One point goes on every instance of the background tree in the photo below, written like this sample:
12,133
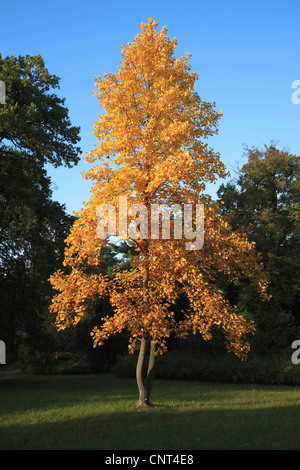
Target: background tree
151,149
265,197
34,130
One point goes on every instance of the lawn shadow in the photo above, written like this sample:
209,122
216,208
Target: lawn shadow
99,413
162,429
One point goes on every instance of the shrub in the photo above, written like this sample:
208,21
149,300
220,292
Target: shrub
71,363
183,365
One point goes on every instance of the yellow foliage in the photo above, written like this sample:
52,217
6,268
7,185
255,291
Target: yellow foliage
151,148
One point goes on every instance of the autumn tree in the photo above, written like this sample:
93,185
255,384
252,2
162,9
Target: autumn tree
151,152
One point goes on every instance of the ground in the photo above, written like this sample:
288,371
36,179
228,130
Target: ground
98,412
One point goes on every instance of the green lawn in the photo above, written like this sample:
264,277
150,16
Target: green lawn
98,412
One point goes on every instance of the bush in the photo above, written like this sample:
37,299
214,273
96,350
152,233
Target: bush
70,363
183,365
59,363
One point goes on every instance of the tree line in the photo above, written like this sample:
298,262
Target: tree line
151,148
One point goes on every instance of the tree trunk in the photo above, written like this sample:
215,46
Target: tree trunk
145,385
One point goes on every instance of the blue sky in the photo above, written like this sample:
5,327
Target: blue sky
247,54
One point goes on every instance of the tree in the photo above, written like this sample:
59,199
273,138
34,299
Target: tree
34,120
265,197
151,150
34,130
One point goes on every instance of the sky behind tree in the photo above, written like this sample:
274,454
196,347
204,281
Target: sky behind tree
246,54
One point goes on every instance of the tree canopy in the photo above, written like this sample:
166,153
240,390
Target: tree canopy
35,129
265,198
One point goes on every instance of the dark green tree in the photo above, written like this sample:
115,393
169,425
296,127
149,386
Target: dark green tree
34,119
265,197
35,129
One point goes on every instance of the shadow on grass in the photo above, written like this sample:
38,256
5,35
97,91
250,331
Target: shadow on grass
98,412
243,429
38,392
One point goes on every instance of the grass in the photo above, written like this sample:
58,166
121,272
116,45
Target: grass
98,412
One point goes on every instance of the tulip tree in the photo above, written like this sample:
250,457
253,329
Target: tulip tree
151,150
